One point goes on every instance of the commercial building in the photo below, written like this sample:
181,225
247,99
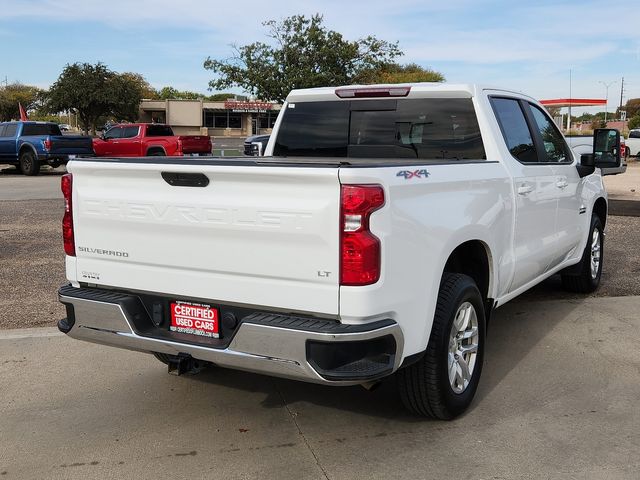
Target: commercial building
230,118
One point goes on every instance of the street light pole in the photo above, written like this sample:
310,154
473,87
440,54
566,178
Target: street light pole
606,106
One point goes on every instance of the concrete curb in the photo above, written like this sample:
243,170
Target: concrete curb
627,208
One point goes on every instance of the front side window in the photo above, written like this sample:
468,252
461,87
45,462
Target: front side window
515,129
429,129
114,132
554,145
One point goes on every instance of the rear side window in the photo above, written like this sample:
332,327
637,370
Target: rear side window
159,131
514,129
554,145
10,130
2,130
40,129
130,132
429,129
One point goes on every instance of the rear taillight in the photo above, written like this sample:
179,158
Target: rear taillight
359,248
67,220
47,144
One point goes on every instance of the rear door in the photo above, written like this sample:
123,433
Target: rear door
570,217
129,145
255,235
536,193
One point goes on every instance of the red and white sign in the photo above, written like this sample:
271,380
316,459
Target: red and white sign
194,318
237,106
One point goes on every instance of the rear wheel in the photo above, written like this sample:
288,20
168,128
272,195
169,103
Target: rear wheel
591,262
443,382
29,164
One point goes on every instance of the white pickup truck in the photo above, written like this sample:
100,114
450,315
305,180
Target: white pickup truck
381,229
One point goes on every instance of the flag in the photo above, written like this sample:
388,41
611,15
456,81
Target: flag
23,113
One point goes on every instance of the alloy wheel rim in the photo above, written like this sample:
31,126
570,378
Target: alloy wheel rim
463,347
595,253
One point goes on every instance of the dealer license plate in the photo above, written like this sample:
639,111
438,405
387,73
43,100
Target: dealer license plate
195,318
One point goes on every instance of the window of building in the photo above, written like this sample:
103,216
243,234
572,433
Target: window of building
267,119
515,129
224,119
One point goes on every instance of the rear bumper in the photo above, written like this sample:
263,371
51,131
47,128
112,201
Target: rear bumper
308,349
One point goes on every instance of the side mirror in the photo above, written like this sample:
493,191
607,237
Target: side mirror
606,148
587,165
102,137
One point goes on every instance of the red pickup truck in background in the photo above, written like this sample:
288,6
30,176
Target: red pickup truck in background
149,139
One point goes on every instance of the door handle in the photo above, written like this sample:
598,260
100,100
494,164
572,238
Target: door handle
561,184
525,189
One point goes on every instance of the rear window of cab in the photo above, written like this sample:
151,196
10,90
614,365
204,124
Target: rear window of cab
429,129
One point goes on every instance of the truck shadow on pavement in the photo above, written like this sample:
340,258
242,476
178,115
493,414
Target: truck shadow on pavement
514,331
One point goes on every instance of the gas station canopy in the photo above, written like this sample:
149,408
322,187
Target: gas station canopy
573,102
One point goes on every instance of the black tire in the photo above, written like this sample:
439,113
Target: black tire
424,386
29,164
587,280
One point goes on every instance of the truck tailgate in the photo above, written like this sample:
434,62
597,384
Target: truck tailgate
195,144
69,145
255,235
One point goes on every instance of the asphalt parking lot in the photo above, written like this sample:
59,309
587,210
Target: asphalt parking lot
558,398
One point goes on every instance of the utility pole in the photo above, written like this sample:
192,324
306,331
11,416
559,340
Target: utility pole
621,92
606,105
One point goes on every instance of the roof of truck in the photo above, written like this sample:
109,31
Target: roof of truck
427,89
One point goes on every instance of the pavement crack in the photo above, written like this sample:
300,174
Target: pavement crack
293,416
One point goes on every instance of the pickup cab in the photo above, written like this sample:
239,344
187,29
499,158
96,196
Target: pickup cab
149,139
28,145
375,237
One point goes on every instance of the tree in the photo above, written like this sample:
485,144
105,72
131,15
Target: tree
28,96
396,73
94,91
634,122
632,107
302,54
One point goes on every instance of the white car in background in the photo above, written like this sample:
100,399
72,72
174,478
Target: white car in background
633,142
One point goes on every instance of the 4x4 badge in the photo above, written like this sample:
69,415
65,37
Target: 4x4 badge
407,174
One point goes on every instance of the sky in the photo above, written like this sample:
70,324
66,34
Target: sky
530,46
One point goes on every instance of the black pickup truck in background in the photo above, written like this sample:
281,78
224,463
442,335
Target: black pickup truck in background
28,145
255,145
